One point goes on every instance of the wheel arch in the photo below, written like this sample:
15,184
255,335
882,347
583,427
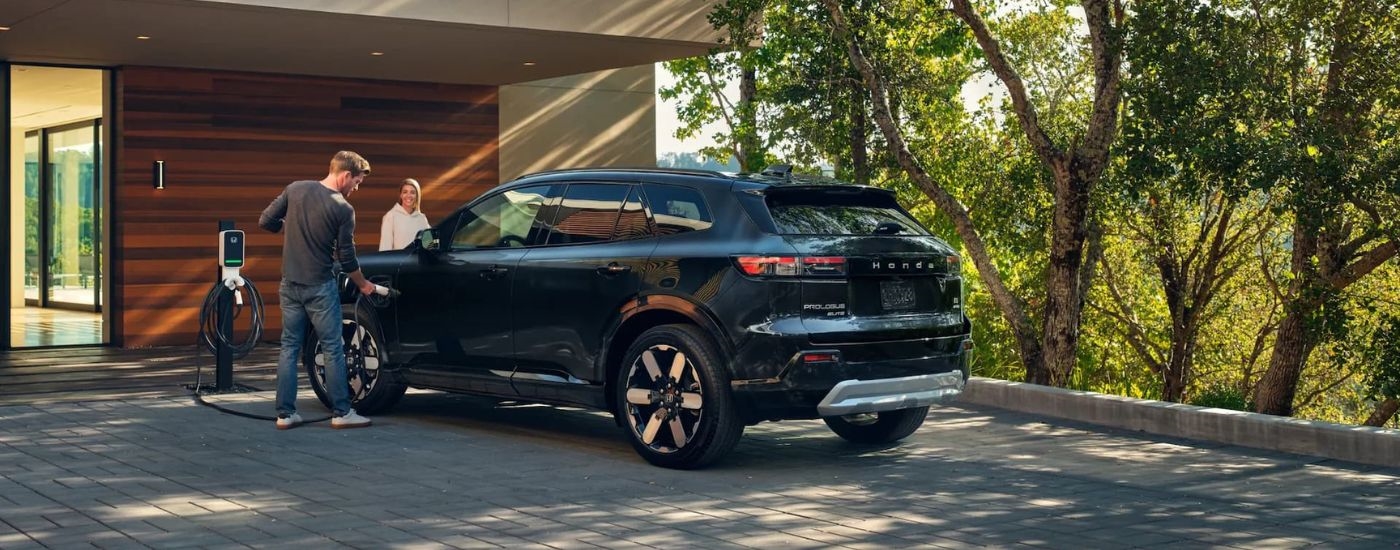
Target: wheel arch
647,312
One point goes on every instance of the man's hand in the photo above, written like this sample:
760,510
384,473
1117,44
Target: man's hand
358,277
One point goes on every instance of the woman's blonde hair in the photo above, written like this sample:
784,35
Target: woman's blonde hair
417,202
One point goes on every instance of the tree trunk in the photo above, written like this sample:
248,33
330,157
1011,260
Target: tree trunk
749,155
1279,385
1064,304
1385,410
860,161
1178,369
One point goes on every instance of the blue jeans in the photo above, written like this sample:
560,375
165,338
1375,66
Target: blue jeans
320,305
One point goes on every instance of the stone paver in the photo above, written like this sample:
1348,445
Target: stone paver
454,471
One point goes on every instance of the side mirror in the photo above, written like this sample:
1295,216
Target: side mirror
427,240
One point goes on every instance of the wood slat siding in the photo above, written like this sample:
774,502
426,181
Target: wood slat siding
232,141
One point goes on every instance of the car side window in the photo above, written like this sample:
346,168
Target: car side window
588,213
677,209
508,219
633,222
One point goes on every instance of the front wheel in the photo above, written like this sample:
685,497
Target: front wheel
877,428
372,390
673,392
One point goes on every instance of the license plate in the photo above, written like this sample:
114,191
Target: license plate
896,295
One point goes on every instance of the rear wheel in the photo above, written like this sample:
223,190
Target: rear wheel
372,390
877,428
673,394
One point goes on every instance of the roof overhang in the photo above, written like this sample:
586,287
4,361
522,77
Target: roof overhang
490,42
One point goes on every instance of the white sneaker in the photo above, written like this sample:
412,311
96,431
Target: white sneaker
288,422
349,420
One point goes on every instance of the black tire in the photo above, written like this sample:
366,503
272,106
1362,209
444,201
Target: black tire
877,428
675,376
373,389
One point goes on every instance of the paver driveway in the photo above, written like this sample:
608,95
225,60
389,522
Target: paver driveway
456,471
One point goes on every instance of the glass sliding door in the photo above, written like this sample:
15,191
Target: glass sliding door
57,184
72,212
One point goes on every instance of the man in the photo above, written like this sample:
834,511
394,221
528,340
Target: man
319,221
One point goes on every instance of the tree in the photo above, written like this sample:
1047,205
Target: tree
1298,99
1075,169
701,83
700,80
1196,247
799,102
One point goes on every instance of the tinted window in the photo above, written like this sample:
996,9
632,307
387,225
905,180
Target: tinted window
840,214
677,209
633,223
588,213
508,219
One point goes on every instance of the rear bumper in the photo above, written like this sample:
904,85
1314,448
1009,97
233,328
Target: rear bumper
866,396
867,377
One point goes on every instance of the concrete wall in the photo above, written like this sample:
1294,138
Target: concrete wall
1363,444
607,118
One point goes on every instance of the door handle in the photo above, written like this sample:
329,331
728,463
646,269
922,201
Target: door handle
493,272
613,268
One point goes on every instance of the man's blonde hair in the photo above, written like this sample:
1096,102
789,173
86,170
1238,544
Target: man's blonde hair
349,161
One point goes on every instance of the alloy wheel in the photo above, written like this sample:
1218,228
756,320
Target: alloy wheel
361,360
665,400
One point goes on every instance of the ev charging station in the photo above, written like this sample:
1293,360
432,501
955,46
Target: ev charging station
224,303
230,267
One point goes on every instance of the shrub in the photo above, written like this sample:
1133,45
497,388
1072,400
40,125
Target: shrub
1221,397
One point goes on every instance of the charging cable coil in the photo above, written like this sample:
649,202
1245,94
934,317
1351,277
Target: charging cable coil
209,316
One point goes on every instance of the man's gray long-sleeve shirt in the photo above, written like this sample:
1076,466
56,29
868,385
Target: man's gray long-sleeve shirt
319,221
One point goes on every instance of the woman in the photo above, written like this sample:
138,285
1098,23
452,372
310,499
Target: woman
403,222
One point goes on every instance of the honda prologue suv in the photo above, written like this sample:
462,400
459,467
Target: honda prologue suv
689,304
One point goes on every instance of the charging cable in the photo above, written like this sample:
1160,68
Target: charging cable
209,315
208,331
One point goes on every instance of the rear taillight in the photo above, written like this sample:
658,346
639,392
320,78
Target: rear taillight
791,266
758,266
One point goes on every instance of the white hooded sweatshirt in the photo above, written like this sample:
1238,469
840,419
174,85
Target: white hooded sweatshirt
400,227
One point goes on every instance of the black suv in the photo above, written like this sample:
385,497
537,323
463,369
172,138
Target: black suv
689,304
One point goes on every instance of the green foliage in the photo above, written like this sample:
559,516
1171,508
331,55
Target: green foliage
1361,363
1223,99
1383,381
1297,100
1221,397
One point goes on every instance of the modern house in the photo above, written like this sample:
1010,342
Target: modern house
136,125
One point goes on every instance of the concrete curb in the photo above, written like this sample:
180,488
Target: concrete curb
1362,444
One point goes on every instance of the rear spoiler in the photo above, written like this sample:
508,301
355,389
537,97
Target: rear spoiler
817,194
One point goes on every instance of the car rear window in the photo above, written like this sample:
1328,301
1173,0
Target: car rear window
840,213
677,209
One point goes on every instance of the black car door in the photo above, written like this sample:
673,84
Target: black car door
454,315
570,291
